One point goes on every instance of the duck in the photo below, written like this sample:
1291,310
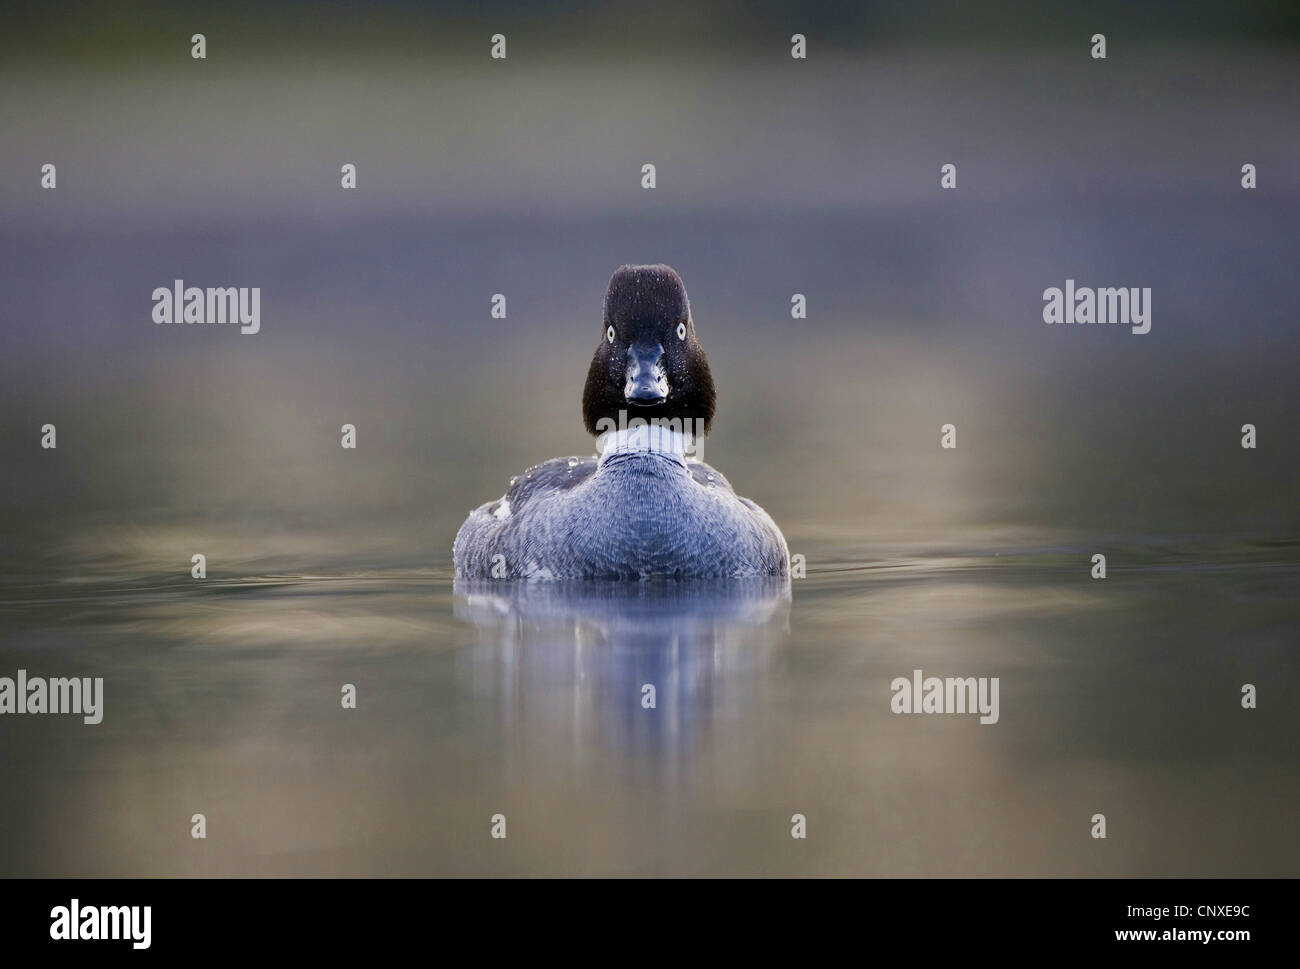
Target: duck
645,506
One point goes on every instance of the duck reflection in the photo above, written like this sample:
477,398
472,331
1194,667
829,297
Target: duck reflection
627,667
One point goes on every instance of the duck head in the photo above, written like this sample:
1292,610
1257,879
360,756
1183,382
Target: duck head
649,363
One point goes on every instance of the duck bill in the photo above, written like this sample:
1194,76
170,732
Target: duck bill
647,384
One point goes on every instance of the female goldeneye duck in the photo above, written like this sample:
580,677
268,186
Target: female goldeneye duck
644,507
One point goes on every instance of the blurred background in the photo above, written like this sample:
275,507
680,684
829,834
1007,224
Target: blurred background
775,176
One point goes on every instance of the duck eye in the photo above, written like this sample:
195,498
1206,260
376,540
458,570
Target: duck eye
609,334
681,331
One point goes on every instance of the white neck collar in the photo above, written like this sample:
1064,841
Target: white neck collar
647,438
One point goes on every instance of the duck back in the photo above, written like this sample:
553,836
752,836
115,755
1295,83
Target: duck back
629,515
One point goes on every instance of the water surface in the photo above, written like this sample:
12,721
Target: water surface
525,700
328,566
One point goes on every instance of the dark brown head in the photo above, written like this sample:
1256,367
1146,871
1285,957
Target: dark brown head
649,364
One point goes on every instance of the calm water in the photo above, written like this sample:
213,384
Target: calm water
328,567
1117,697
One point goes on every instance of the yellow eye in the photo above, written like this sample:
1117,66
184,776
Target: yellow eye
609,334
681,331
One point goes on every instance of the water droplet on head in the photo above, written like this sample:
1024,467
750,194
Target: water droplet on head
573,462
